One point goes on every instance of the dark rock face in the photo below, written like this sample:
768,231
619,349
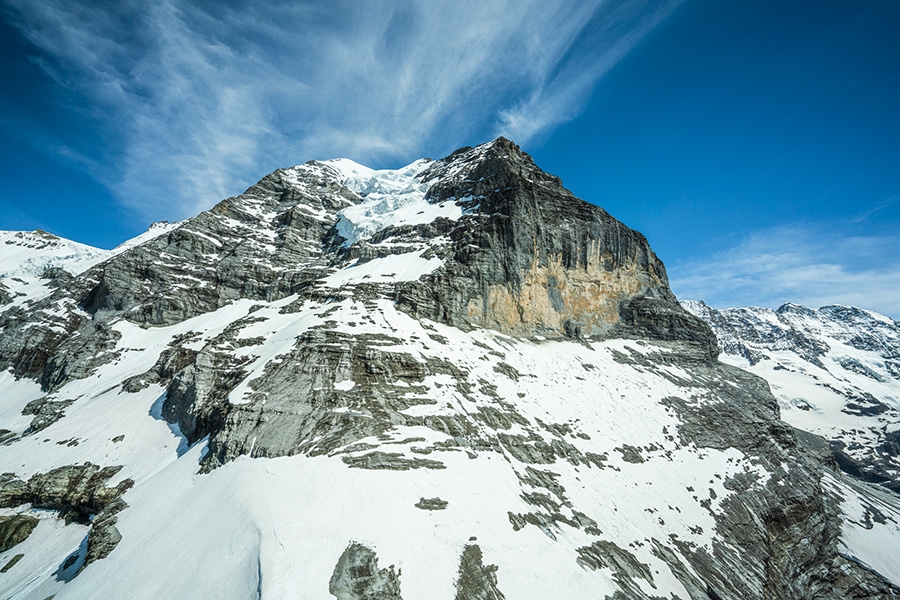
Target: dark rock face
27,349
649,318
477,581
104,536
79,493
78,356
606,555
245,247
357,577
300,391
15,530
532,259
45,411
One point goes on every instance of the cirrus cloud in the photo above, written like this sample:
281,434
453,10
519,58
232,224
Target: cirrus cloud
809,264
196,100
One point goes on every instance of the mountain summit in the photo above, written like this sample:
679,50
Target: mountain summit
450,380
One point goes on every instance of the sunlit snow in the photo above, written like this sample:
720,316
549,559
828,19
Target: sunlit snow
391,198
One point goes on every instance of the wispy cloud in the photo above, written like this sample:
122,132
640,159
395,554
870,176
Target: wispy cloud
813,265
559,93
198,99
879,207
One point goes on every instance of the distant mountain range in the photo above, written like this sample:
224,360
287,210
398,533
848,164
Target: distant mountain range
835,372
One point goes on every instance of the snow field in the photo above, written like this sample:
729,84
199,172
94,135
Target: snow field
391,198
279,525
871,526
809,401
408,266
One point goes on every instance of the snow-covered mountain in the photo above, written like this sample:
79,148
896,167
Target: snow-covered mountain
26,256
30,261
451,380
835,372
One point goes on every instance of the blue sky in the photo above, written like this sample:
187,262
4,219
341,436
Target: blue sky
756,144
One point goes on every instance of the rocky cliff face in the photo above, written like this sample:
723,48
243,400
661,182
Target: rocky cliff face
517,253
529,258
452,380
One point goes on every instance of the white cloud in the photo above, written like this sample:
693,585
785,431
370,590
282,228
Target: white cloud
813,265
560,97
200,99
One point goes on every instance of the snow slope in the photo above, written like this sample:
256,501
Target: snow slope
390,198
26,255
30,253
835,372
279,525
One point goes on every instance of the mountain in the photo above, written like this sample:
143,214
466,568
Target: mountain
835,372
31,261
28,255
451,380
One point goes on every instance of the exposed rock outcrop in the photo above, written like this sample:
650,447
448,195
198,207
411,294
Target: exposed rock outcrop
477,581
15,530
532,259
78,493
357,577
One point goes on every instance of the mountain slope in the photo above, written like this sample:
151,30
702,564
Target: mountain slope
452,380
31,260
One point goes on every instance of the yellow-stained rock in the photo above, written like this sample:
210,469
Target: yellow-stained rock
556,299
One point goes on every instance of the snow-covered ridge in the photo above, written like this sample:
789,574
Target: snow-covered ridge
30,253
154,231
393,197
835,372
26,255
811,334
